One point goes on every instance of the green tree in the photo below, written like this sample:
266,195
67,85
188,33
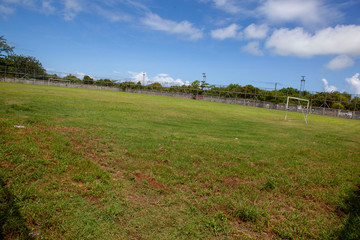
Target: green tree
156,85
291,91
125,85
195,84
51,76
26,65
105,82
88,80
72,79
203,85
5,48
337,105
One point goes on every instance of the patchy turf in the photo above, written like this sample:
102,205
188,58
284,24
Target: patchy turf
111,165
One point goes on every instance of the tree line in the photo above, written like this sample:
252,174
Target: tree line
13,65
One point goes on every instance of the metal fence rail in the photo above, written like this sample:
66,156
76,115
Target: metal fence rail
276,102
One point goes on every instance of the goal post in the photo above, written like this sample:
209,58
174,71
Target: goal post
299,99
58,81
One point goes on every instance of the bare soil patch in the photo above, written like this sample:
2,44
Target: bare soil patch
233,181
151,180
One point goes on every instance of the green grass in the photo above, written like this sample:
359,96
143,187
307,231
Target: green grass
112,165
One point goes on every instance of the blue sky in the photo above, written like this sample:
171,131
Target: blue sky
232,41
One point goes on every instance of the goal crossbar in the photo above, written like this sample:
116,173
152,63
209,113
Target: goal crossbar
299,99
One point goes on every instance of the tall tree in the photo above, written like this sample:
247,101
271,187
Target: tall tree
25,64
5,48
195,84
72,78
88,80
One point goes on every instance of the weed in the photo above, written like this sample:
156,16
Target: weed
247,213
269,185
217,223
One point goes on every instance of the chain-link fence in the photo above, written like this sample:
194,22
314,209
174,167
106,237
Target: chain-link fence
333,104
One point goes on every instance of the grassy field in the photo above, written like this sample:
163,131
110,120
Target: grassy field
111,165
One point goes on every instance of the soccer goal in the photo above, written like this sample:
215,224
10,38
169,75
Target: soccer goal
299,106
58,81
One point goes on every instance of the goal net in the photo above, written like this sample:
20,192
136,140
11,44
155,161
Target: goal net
58,81
299,106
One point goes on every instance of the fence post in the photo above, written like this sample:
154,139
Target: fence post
255,98
245,95
324,103
354,114
339,110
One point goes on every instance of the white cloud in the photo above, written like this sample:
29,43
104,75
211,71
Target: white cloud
111,15
164,79
184,28
227,6
227,32
307,12
12,1
72,8
42,6
22,2
354,83
342,39
340,62
326,86
139,77
256,31
6,10
80,75
253,48
47,8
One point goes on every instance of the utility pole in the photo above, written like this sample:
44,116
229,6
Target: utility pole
204,77
302,86
144,75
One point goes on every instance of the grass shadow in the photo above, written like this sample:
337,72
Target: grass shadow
12,225
351,229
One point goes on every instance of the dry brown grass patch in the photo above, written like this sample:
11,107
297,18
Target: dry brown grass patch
233,181
151,180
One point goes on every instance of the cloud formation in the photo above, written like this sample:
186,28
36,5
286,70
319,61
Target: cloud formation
80,75
6,10
307,12
342,39
253,48
111,15
354,83
226,32
72,8
340,62
326,86
227,6
254,31
183,28
164,79
69,9
47,7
